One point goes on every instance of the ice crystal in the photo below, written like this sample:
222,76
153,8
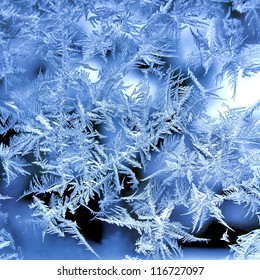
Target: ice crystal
148,155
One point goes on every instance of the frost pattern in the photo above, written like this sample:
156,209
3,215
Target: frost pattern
141,155
248,246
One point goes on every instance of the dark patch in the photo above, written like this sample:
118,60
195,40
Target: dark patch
108,54
5,138
126,182
39,70
214,233
89,227
142,65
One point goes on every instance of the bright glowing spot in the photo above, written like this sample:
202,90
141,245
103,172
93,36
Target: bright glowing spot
92,71
131,80
135,81
247,94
